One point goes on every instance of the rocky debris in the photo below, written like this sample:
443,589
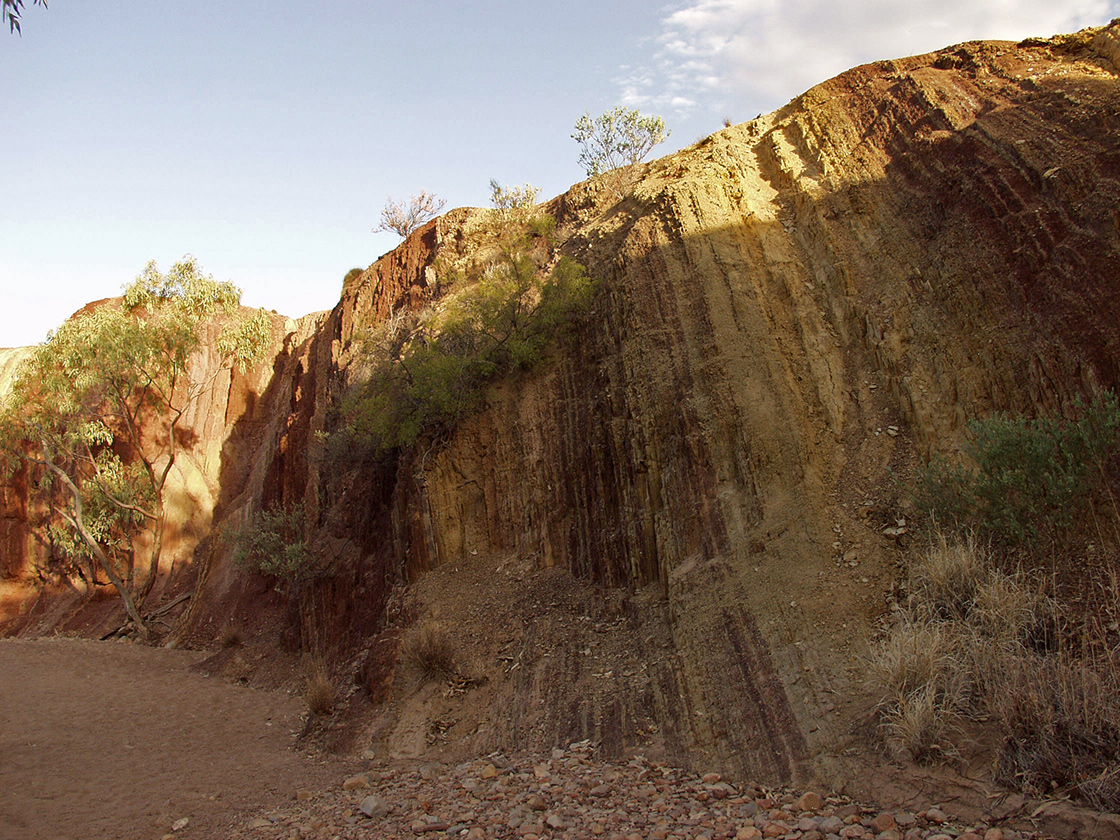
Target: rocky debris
374,807
569,794
357,782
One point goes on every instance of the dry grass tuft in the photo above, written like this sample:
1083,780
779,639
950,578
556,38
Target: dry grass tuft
921,724
922,665
319,691
429,649
944,584
230,636
1011,610
1060,717
975,641
917,656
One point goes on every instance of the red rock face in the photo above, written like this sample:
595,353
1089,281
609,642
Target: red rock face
792,312
14,532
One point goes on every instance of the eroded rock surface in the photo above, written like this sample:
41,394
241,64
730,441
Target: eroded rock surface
793,311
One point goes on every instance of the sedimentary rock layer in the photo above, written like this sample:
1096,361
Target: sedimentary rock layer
793,311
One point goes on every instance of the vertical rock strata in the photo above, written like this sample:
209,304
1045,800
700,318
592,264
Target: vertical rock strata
793,311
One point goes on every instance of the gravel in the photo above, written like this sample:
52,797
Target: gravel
569,794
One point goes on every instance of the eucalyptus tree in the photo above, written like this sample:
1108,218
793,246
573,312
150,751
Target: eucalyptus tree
12,9
96,416
616,138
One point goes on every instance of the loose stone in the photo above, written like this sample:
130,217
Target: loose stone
358,782
374,807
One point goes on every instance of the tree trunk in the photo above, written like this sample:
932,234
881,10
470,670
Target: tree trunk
153,562
77,521
158,484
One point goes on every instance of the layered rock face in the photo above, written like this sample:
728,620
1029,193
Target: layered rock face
670,537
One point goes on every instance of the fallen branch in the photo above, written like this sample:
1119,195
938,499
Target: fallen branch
170,605
154,614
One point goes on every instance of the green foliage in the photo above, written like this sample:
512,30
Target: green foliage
1022,477
513,198
943,494
11,11
516,223
502,321
619,137
94,412
542,226
273,543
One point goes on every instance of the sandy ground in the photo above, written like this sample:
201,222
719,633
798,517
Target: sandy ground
113,740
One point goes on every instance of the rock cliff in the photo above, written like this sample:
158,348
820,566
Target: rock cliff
670,538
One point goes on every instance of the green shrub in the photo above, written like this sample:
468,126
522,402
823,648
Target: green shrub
542,226
272,542
1021,478
352,275
513,199
515,220
615,138
503,320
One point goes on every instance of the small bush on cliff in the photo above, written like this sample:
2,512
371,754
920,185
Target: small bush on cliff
615,138
513,204
423,379
1021,479
95,416
502,323
272,542
402,218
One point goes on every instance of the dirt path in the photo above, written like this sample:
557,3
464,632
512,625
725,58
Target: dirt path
111,740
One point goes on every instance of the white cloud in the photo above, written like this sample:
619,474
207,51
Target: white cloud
758,54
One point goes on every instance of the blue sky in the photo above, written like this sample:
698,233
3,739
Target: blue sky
264,138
